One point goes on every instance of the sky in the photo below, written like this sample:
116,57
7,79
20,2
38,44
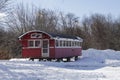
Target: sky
80,8
2,15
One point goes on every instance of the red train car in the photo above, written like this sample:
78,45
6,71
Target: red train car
41,45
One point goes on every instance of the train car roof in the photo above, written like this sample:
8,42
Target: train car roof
63,36
54,35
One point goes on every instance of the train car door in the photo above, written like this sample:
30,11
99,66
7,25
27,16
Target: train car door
45,48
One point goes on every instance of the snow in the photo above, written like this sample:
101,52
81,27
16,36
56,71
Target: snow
94,65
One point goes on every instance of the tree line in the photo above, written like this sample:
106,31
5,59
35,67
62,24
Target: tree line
97,30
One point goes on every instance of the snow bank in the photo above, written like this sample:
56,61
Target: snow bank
101,54
107,56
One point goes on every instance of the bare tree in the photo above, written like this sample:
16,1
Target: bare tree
87,36
3,49
21,19
3,9
98,30
3,5
68,23
46,21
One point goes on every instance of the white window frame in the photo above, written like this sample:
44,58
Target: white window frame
32,35
72,42
36,34
34,44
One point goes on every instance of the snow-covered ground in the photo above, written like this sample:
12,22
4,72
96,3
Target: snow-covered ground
94,65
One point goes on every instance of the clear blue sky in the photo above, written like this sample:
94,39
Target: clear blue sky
79,7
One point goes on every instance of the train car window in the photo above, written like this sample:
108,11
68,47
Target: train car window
33,35
37,43
39,35
57,43
78,44
64,43
36,35
60,43
34,43
75,44
69,42
30,43
72,43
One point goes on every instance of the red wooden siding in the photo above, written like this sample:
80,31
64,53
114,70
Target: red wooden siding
31,53
52,48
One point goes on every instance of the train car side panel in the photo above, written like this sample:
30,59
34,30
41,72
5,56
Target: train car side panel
52,48
31,53
67,52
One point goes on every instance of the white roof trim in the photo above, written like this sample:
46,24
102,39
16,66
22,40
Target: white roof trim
80,39
34,31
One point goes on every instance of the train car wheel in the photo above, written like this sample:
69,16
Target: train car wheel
49,59
68,59
76,58
40,59
32,59
58,60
